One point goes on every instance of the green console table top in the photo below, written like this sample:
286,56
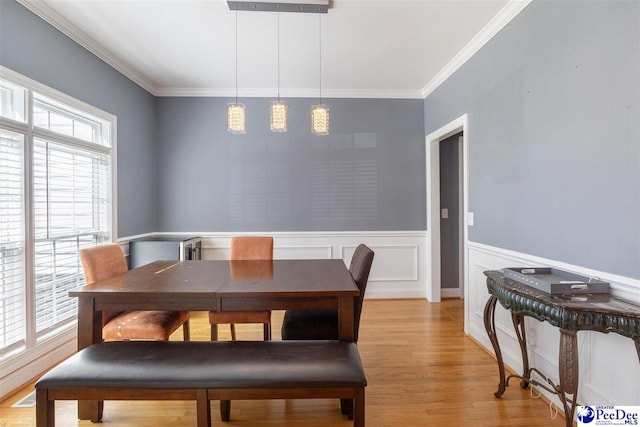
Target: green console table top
578,312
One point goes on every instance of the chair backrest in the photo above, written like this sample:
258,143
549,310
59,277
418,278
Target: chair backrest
251,248
359,268
101,263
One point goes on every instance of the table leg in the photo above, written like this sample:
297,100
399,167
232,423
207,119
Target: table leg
490,326
89,332
518,324
568,367
345,319
638,348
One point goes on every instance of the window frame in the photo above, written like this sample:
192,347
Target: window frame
42,351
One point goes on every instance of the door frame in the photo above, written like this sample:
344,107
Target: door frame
461,124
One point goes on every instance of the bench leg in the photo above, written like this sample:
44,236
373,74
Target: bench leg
346,407
358,409
203,409
225,410
45,409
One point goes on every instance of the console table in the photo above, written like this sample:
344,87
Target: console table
571,313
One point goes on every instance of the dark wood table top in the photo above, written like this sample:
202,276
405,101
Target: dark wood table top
226,279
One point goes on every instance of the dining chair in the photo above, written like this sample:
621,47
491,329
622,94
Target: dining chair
106,261
254,248
323,324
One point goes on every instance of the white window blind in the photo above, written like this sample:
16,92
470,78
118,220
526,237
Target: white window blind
71,196
12,245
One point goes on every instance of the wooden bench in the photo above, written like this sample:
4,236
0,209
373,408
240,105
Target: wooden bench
204,371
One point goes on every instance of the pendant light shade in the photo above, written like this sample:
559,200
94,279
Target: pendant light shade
320,119
278,116
236,118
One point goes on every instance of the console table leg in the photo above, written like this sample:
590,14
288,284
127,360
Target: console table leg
490,326
638,349
568,366
518,324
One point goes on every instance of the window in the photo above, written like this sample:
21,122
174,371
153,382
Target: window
56,172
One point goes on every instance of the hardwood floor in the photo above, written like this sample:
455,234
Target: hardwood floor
422,370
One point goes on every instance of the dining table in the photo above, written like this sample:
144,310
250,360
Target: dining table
216,285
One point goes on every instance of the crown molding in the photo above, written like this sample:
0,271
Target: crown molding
497,23
45,12
287,93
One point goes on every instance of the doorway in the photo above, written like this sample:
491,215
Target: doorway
434,212
451,243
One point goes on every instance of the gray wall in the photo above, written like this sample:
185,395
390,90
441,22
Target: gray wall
554,134
30,46
367,175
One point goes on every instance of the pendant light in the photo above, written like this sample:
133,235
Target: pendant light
320,112
278,109
236,117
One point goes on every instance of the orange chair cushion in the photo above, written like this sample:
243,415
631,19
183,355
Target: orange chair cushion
144,325
251,248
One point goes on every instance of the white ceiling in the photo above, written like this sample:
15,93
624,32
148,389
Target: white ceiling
370,48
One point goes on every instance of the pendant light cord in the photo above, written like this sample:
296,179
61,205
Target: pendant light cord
320,43
278,57
236,56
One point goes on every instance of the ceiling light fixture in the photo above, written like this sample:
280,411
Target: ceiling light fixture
236,113
278,109
302,6
320,112
278,117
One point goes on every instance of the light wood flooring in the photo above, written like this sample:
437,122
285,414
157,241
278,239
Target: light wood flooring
421,368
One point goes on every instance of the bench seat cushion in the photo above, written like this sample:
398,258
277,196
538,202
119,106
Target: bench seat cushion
205,364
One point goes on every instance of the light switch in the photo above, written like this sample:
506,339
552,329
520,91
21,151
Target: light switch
444,213
470,218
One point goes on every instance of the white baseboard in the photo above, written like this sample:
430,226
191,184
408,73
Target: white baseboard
608,363
450,293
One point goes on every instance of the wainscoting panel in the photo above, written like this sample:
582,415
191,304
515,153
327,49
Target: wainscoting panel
609,365
398,263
